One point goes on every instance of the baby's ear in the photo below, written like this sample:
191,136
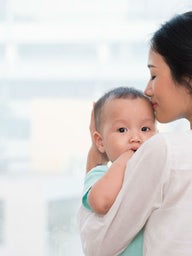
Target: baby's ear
98,141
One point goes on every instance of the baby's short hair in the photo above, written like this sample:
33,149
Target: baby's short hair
116,93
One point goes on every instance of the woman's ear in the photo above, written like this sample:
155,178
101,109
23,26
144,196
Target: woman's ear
98,141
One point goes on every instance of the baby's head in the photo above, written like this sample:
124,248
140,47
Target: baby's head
116,93
124,119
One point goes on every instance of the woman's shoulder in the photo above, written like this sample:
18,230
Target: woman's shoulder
158,140
169,144
176,137
171,137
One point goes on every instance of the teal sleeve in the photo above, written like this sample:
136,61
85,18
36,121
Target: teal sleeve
135,248
90,179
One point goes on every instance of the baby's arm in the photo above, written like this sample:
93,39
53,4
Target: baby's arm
104,192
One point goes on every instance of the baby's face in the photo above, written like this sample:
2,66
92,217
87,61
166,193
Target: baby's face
127,123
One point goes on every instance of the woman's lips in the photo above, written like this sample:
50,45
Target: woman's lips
154,105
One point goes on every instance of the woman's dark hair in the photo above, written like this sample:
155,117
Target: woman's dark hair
116,93
173,41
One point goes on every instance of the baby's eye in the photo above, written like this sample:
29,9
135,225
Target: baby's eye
145,129
153,77
122,129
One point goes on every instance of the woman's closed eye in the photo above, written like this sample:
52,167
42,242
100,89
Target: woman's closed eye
122,129
153,77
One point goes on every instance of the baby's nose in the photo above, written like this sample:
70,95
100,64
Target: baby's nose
135,137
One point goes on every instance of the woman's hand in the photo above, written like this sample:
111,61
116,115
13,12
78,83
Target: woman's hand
95,157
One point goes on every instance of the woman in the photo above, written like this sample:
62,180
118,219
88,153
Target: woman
157,188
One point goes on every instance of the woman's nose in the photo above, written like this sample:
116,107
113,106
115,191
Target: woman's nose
148,90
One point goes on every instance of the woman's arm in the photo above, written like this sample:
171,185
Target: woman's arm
104,192
141,193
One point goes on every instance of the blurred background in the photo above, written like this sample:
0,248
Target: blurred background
56,58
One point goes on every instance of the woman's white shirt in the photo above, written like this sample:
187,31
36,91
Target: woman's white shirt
157,193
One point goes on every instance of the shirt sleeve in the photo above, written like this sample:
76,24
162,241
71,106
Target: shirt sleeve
90,179
141,193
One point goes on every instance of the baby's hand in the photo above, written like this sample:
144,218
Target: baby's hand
121,161
127,155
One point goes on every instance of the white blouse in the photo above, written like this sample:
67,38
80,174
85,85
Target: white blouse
157,193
